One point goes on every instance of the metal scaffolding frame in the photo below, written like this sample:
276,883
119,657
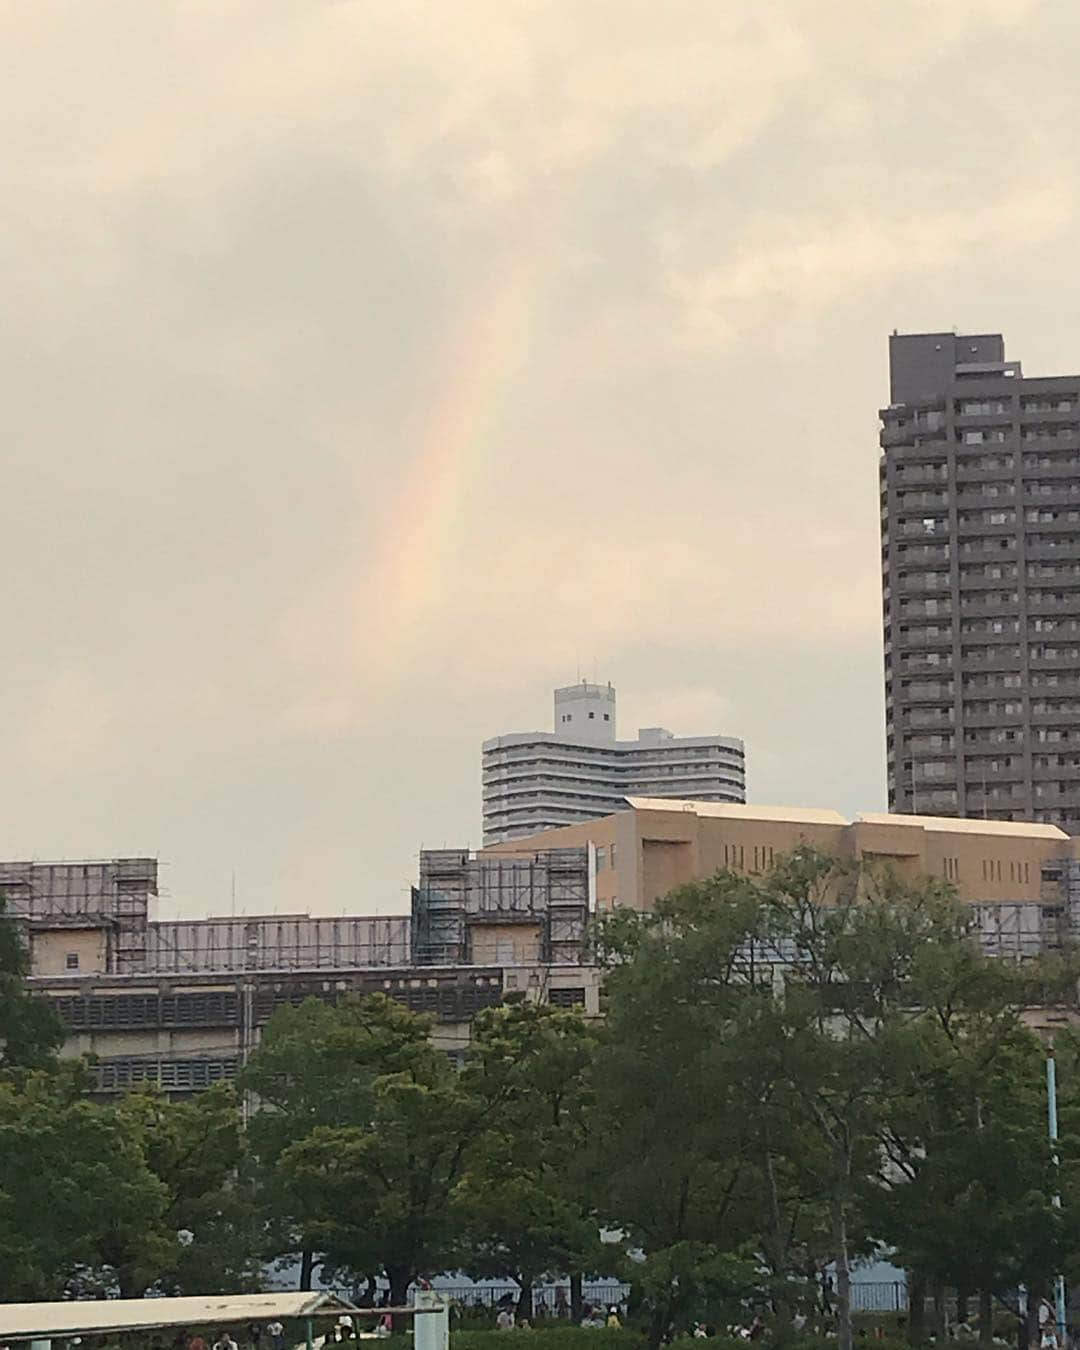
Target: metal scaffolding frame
460,890
277,942
115,895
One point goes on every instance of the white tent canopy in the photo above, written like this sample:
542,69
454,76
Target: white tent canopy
42,1321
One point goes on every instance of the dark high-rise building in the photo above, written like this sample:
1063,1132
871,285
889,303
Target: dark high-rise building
980,552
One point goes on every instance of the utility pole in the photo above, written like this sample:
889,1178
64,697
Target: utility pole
1052,1121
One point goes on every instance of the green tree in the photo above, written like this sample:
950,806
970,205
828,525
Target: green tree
206,1241
760,1036
525,1199
842,1024
316,1067
72,1173
966,1193
674,1141
31,1031
363,1137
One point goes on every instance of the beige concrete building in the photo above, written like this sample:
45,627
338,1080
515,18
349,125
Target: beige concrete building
181,1004
1023,878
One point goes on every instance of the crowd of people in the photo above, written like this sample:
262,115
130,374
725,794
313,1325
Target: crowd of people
507,1319
255,1337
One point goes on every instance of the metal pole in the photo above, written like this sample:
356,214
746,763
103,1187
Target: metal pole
1052,1120
309,1338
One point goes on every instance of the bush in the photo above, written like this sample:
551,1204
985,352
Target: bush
556,1337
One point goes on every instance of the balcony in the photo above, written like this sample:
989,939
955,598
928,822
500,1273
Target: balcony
1060,465
971,499
990,529
909,500
975,605
920,555
1003,660
915,665
896,434
1068,688
1051,494
971,581
1065,548
930,718
1067,603
931,691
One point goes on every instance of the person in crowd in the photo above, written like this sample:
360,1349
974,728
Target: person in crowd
225,1342
505,1320
562,1304
612,1320
276,1332
197,1342
254,1334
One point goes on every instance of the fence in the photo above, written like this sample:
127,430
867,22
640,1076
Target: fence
879,1296
551,1300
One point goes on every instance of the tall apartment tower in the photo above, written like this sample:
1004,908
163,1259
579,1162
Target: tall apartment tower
980,551
538,780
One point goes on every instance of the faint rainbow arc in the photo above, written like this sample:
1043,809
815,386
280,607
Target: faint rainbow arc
429,515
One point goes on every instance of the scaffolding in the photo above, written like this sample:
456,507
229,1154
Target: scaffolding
460,892
1022,929
277,942
114,895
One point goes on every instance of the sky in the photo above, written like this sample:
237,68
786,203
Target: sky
370,367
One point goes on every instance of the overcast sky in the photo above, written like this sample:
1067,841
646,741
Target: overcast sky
370,368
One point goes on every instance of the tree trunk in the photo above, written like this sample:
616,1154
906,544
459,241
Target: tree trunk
307,1266
525,1299
986,1316
577,1297
659,1321
941,1318
400,1278
1031,1321
843,1274
127,1284
963,1298
916,1320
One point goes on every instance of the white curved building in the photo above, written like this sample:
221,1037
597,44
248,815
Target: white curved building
539,780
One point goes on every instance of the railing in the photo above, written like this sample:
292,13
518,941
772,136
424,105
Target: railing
551,1299
879,1296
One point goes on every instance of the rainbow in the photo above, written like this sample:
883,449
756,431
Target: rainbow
424,528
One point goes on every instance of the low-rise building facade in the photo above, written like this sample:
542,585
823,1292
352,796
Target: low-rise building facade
181,1004
1023,878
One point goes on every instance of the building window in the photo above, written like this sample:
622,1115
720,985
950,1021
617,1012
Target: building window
591,716
71,961
612,851
601,859
607,717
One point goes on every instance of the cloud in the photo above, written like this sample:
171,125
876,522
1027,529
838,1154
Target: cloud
247,243
789,264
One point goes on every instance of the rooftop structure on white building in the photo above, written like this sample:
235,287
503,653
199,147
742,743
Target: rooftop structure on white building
541,780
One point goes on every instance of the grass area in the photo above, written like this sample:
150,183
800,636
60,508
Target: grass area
559,1336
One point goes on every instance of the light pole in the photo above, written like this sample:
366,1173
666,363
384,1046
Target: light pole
1052,1121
